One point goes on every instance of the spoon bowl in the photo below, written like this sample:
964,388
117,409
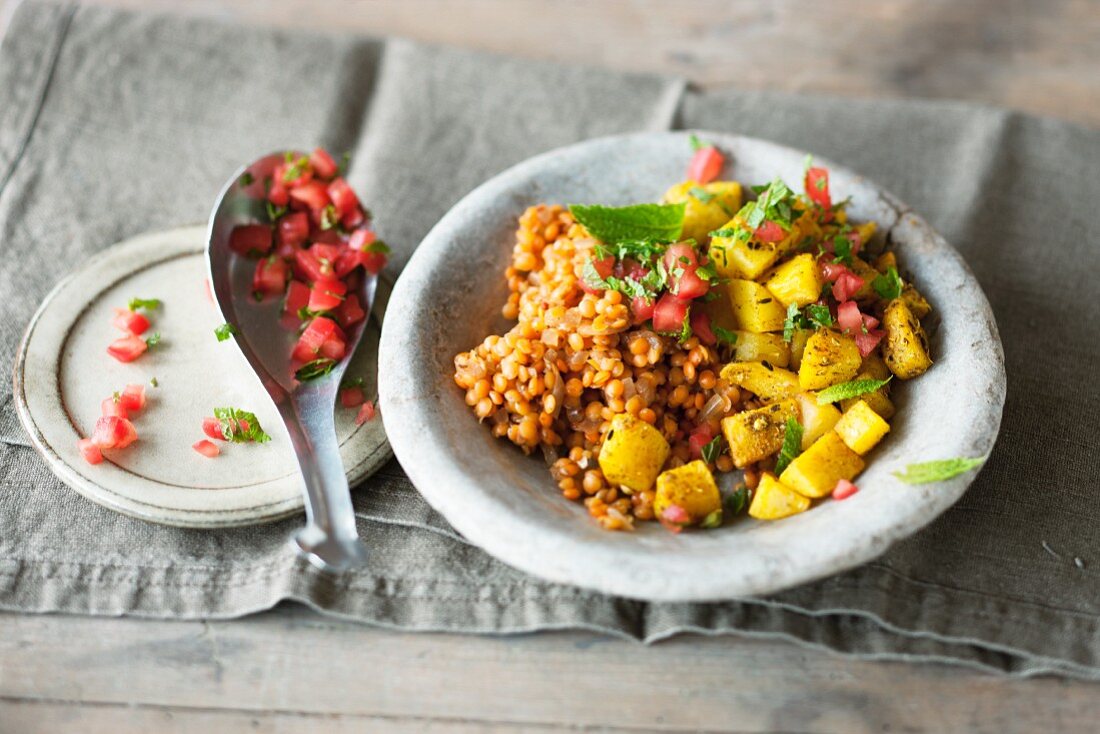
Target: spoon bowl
329,540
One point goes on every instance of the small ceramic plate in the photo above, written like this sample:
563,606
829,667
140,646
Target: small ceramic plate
449,297
62,372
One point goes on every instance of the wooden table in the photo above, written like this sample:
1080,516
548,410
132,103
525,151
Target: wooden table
292,670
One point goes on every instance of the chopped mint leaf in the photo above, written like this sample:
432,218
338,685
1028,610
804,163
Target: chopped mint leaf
737,501
149,304
328,217
246,179
712,450
240,426
316,368
888,285
819,316
724,336
345,162
842,248
225,331
792,445
851,389
274,212
701,194
378,246
644,222
712,520
696,143
351,382
153,340
937,471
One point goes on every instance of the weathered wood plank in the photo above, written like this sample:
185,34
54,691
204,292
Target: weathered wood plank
293,662
1037,56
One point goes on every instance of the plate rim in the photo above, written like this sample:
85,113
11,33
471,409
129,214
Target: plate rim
498,539
183,518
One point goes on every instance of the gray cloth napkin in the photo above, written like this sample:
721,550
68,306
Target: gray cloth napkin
112,124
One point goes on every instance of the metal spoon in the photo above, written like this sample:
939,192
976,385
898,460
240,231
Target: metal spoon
329,540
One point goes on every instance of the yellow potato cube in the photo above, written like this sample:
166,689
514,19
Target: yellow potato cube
817,420
633,453
690,487
815,472
749,258
829,358
754,308
770,348
866,232
769,384
879,400
757,434
866,291
885,261
905,348
706,206
798,346
861,428
796,281
915,301
773,500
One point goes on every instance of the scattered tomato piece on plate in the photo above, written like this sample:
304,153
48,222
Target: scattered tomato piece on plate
844,489
207,448
90,451
366,413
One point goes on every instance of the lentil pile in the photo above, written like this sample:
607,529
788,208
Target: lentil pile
574,360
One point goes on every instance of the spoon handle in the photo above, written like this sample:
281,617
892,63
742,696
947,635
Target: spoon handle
329,540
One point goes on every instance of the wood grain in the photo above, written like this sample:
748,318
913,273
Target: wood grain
1041,56
294,666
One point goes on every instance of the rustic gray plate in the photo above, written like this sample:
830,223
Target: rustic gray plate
448,300
62,372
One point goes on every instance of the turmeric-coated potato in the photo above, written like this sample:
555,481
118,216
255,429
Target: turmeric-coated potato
773,500
633,453
757,434
691,488
829,358
861,427
905,348
767,382
815,472
706,206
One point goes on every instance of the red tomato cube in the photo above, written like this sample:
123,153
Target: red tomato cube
669,314
297,296
350,311
642,309
89,451
334,348
343,197
128,348
112,432
209,449
322,164
366,413
362,238
700,326
112,407
278,194
309,267
705,165
133,398
327,294
293,229
313,196
604,268
682,263
251,239
817,187
309,343
212,427
352,397
270,276
130,322
848,317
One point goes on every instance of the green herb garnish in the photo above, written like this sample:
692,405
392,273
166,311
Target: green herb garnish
316,368
712,520
274,212
328,217
149,304
153,340
240,426
225,331
296,168
701,195
696,143
737,500
153,381
246,179
842,248
937,471
792,445
724,336
351,382
815,316
712,450
378,246
888,285
345,162
851,389
638,222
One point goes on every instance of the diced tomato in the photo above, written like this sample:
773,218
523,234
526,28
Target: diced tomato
362,238
705,165
869,322
270,276
831,271
817,187
309,343
322,164
112,407
669,314
769,231
90,451
848,317
325,251
366,413
130,322
604,266
844,489
353,218
846,286
334,348
700,437
346,261
293,229
250,239
212,427
343,197
352,397
373,262
866,343
209,449
297,295
278,194
642,308
303,173
309,267
350,312
112,432
133,398
327,294
312,195
682,263
700,326
128,348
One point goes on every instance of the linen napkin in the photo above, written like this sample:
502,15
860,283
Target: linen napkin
112,124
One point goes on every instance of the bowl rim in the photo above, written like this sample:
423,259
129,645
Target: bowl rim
547,552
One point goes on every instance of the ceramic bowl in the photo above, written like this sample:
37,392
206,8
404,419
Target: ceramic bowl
449,297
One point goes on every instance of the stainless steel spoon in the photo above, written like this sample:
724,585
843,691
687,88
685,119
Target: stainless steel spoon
329,540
